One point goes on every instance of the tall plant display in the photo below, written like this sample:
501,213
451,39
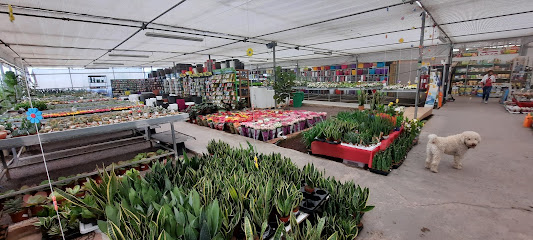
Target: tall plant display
12,91
283,85
226,194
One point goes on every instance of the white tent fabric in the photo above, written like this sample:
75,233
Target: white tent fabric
79,33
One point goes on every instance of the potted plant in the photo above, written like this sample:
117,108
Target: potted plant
312,176
284,202
77,191
361,98
284,81
35,203
16,211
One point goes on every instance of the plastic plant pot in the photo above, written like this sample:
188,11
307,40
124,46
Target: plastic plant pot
265,135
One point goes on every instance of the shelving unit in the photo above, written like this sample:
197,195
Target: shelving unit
467,75
372,72
243,85
120,86
222,87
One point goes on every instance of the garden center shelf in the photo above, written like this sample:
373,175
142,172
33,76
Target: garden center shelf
19,142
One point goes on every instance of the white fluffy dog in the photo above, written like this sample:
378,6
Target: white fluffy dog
455,145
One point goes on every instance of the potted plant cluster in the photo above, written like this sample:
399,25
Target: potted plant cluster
394,156
14,207
230,193
361,99
357,129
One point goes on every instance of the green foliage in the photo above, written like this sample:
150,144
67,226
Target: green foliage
283,85
288,197
362,96
355,127
13,205
201,109
36,104
205,197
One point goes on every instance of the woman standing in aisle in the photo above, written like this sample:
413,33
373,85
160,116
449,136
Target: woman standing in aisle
487,82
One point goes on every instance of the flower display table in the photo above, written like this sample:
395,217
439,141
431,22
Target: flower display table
351,153
262,124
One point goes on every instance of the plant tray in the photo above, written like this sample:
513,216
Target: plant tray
312,201
87,228
379,172
396,166
349,153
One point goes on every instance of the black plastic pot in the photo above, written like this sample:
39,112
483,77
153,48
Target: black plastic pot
313,201
379,172
397,165
269,232
197,99
172,99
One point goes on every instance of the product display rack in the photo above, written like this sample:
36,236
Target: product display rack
119,87
222,88
372,72
243,85
468,74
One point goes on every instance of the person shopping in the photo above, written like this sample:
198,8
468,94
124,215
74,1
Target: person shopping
487,82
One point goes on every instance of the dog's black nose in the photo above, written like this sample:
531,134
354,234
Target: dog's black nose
473,145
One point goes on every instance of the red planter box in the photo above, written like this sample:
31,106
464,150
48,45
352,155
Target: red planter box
350,153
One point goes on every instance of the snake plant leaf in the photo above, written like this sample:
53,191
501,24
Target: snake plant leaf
190,233
248,229
204,232
334,236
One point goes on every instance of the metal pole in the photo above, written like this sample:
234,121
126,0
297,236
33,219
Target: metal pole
420,53
2,76
274,57
448,72
70,75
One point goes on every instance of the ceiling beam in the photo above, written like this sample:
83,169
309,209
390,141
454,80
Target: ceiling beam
138,30
435,22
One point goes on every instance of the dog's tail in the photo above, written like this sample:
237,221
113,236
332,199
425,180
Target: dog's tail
432,138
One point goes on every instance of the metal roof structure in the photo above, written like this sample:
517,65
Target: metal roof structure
92,33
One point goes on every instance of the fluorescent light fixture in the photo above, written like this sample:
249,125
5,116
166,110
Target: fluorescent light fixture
163,35
419,4
257,60
129,55
96,68
107,63
323,53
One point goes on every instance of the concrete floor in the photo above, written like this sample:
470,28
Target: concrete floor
491,198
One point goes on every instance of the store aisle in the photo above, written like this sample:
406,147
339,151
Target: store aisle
490,198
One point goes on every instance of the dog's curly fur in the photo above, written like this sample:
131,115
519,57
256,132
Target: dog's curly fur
455,145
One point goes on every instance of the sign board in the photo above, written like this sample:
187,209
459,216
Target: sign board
433,90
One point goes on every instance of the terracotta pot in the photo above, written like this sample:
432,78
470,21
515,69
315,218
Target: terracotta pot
145,167
3,134
35,210
122,171
309,189
284,219
19,216
98,179
80,194
361,107
296,209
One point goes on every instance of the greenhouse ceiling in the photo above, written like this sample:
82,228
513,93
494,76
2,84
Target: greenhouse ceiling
107,33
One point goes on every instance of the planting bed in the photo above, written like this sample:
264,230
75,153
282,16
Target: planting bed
379,139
